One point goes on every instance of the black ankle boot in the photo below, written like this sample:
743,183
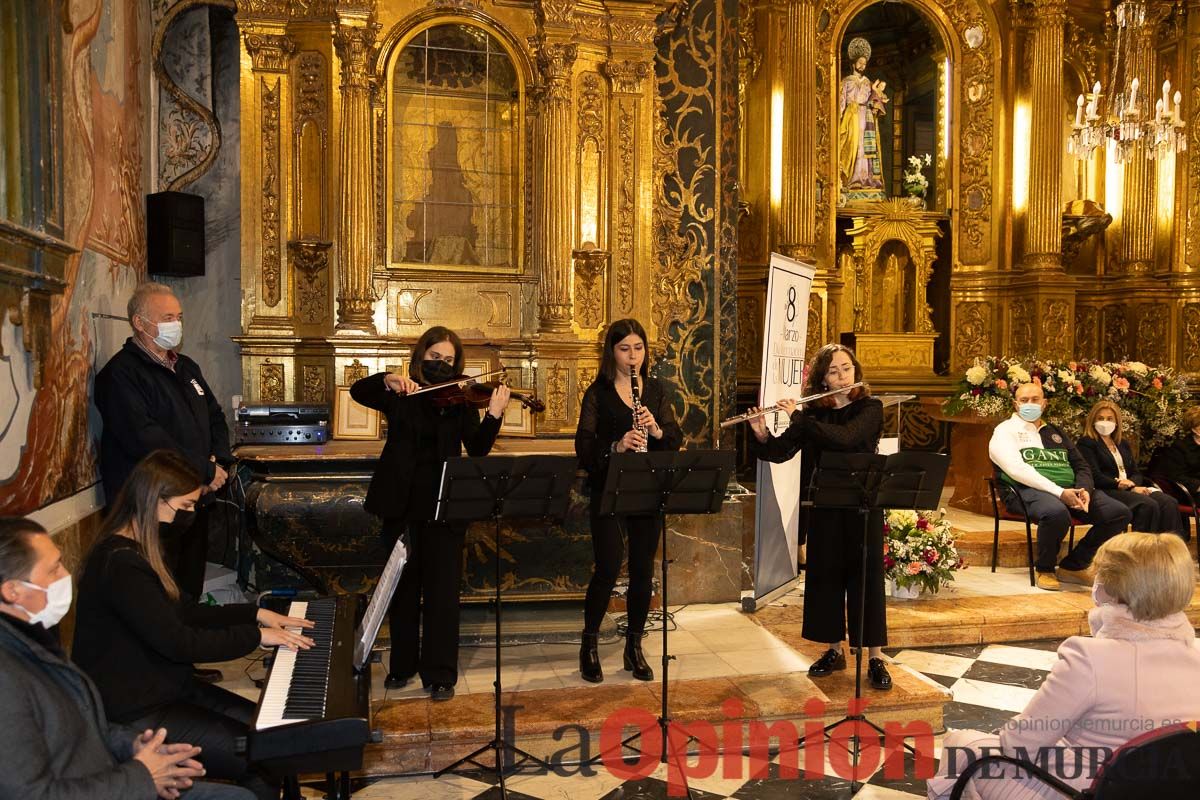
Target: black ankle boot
589,659
635,662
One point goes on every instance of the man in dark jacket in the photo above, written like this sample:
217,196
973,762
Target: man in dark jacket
150,396
56,740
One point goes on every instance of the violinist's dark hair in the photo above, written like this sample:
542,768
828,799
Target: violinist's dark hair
616,332
429,338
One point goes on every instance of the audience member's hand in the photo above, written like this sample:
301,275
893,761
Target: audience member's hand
171,766
219,478
277,637
269,619
1074,498
400,384
1127,484
1142,490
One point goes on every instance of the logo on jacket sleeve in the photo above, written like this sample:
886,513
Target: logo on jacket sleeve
196,385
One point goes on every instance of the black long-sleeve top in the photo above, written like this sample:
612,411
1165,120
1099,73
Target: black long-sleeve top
1104,466
1180,462
420,438
853,428
136,643
604,418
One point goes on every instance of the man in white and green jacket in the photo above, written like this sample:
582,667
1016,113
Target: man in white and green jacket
1041,464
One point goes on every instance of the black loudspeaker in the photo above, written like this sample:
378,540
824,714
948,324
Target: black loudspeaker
175,233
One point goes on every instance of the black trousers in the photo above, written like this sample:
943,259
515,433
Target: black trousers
608,548
185,549
1156,512
1106,516
212,719
833,578
424,613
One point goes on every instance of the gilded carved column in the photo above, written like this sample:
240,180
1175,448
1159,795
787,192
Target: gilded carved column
1138,221
797,234
354,40
1043,226
552,194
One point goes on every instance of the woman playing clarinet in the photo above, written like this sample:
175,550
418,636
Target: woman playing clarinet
421,435
623,410
848,422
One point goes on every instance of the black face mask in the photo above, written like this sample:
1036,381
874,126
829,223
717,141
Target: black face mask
436,371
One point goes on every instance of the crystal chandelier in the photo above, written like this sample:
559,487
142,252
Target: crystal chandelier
1127,120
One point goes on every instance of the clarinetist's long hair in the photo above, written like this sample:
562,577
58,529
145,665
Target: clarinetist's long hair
820,365
616,332
161,475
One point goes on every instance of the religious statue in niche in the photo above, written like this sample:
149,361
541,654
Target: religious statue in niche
860,104
443,232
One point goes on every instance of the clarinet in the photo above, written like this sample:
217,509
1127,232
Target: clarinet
636,393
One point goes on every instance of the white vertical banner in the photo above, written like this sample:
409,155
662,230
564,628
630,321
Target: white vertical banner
777,504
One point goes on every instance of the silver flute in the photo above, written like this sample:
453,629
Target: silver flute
762,412
636,393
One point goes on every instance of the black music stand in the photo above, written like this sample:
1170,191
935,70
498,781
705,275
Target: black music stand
495,487
866,482
665,482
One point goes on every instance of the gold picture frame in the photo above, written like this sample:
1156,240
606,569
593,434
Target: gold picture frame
352,420
518,420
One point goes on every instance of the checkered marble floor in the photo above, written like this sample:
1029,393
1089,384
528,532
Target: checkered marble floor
991,683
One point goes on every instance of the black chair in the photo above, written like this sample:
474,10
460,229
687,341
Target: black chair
1163,764
1185,500
999,492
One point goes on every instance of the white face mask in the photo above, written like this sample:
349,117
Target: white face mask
58,602
170,334
1105,427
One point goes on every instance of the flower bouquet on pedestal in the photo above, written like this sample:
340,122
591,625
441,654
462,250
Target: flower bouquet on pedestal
915,182
918,552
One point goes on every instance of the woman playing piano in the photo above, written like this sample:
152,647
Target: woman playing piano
607,424
138,638
421,435
849,423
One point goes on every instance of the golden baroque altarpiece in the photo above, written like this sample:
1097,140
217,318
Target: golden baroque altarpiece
488,166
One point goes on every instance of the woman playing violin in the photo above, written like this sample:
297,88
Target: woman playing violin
423,431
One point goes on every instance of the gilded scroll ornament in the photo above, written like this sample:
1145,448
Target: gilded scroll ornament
1190,330
1056,328
1191,254
583,379
973,336
1152,336
591,104
749,339
593,27
813,335
270,220
626,204
1116,333
589,298
1020,320
314,384
556,392
310,261
270,382
555,12
354,371
1087,332
627,76
269,51
634,31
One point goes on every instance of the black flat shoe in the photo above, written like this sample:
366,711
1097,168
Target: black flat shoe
635,662
394,681
878,675
441,691
207,675
589,659
824,666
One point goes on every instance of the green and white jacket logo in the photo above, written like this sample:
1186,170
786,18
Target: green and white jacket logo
1051,463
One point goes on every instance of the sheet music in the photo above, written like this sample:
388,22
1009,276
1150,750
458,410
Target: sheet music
368,629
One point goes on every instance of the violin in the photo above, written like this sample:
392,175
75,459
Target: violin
469,391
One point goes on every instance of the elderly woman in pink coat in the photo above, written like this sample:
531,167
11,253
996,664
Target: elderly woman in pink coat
1139,671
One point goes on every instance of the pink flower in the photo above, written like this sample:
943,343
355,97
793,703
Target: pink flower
888,562
930,556
1156,383
1073,365
914,568
1001,384
1121,383
922,524
1078,387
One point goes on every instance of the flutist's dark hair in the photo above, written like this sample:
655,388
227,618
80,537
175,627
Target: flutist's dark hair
616,332
820,365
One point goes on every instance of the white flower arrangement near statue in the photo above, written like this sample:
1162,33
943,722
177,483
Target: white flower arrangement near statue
915,182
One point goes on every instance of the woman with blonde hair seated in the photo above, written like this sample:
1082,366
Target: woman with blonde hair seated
1137,673
1115,471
